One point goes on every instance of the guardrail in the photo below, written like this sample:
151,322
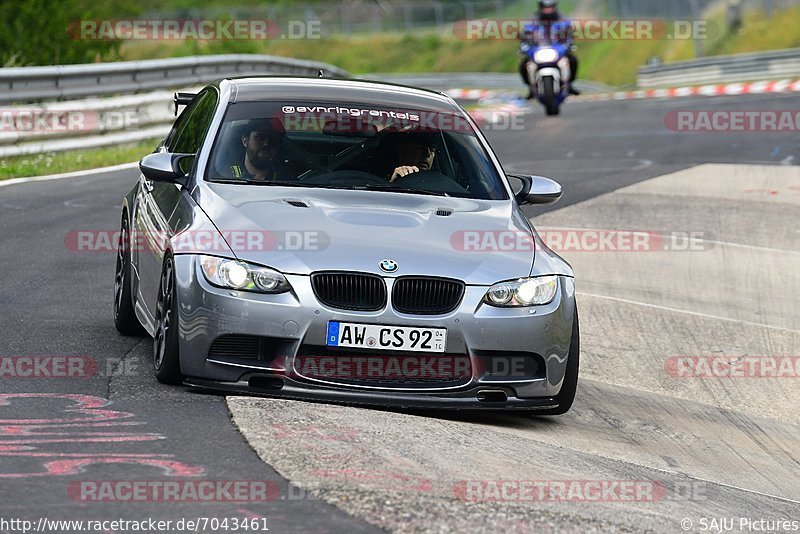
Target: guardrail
32,84
120,119
100,122
771,65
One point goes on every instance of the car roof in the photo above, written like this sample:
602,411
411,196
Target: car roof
296,88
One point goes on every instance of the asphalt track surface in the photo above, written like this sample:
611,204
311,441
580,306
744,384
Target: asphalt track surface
739,442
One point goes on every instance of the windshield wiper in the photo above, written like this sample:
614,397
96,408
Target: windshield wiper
401,189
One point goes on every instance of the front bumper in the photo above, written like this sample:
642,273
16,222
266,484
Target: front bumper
296,321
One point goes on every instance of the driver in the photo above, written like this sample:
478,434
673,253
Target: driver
262,140
413,154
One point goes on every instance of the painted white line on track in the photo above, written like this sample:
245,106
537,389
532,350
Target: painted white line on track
75,174
714,482
687,312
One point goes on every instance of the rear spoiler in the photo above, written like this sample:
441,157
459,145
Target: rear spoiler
182,99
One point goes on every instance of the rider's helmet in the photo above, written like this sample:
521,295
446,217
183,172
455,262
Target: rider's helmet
548,10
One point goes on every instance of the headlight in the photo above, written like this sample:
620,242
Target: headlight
235,274
523,292
545,55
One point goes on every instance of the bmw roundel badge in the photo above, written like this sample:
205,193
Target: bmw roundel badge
388,266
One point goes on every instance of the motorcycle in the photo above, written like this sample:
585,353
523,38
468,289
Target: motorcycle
548,65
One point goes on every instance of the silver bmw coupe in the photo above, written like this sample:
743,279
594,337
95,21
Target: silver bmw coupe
344,241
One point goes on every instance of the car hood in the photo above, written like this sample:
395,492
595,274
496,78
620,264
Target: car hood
300,231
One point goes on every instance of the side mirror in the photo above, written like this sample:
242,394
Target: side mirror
535,189
165,167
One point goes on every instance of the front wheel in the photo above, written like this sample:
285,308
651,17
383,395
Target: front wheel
124,315
166,357
549,98
569,386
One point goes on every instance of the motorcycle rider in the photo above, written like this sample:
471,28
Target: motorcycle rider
544,18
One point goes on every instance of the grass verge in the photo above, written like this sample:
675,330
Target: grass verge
74,160
613,62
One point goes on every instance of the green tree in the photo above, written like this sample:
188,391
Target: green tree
42,32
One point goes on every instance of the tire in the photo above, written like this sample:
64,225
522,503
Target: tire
124,315
566,396
166,354
551,106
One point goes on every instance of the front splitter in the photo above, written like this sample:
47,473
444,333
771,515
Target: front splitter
460,400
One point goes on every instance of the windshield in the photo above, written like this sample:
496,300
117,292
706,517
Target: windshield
325,145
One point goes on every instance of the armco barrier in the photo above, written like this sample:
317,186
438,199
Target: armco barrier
80,87
33,84
772,65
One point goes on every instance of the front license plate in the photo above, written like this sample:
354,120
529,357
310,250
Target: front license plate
398,338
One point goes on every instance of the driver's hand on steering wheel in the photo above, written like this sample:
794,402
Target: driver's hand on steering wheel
399,172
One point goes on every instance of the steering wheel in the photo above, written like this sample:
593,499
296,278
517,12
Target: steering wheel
432,180
424,177
345,177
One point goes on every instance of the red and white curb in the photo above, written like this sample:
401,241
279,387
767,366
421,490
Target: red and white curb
730,89
474,94
496,113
